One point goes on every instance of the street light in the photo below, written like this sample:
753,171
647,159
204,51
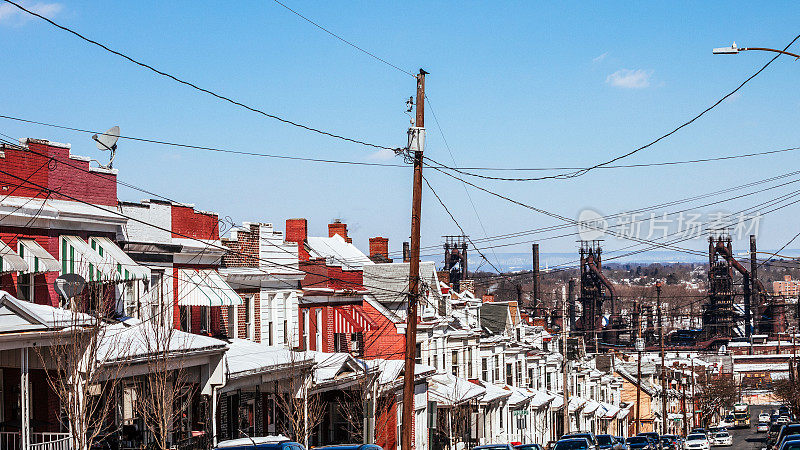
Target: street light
733,49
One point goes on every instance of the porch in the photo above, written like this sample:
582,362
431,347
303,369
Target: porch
12,440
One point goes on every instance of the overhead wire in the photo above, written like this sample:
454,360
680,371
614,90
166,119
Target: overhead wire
193,85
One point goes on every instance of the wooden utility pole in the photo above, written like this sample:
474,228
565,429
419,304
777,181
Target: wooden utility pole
638,369
564,337
683,405
663,363
407,419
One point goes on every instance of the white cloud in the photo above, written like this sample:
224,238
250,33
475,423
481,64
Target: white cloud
382,155
11,15
600,58
630,79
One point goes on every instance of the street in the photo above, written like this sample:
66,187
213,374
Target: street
748,438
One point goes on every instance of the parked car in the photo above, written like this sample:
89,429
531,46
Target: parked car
608,442
621,441
762,427
652,437
582,434
494,447
528,447
764,416
786,431
260,443
727,421
670,442
639,443
697,441
772,434
791,443
722,439
573,443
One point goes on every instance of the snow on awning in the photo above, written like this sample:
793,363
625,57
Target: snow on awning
205,287
78,258
124,268
608,410
590,407
623,413
449,390
576,403
38,259
10,261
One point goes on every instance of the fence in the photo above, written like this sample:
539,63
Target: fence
10,440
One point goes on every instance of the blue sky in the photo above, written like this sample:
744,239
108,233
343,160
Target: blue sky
514,84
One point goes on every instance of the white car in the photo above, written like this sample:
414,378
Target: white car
762,427
722,439
763,417
696,441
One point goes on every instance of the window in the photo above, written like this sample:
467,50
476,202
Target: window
496,368
157,306
270,334
25,285
231,321
305,330
454,362
248,317
509,374
183,311
317,330
285,331
549,382
519,373
339,342
530,378
435,355
501,417
357,341
469,363
204,325
519,334
485,369
418,353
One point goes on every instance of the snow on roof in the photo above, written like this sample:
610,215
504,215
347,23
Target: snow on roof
245,358
763,367
134,339
449,390
494,393
576,403
590,407
18,316
540,398
608,411
338,252
558,401
390,370
59,209
388,282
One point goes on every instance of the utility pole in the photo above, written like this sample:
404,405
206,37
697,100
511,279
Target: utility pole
663,363
691,380
683,404
639,345
416,144
564,337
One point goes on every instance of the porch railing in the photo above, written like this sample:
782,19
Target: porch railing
12,440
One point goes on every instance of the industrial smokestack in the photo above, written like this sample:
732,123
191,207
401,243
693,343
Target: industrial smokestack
406,252
571,304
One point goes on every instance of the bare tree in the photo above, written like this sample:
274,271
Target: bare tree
163,394
75,369
788,392
302,410
356,406
711,394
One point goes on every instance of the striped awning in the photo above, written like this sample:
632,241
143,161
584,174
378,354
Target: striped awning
10,261
124,268
38,259
351,319
205,287
78,258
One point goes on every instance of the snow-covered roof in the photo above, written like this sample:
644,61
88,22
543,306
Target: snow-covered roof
134,340
762,367
332,366
590,407
558,401
19,316
337,252
540,398
576,403
449,390
388,282
245,358
391,370
494,393
50,209
608,411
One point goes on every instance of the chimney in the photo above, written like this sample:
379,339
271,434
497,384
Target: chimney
406,252
379,249
297,231
337,227
488,298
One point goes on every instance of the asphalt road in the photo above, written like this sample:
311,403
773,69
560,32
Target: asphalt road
748,438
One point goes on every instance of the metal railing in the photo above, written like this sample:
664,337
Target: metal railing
12,440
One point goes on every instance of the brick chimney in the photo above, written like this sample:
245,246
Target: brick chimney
488,298
406,252
297,231
337,227
379,249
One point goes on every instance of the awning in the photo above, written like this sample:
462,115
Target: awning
205,287
10,261
38,259
125,269
77,257
351,319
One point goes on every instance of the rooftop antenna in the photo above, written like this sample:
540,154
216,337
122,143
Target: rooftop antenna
108,141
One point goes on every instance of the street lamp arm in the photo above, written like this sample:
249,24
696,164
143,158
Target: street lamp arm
769,50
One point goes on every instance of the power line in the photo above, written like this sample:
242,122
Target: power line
344,40
194,86
206,148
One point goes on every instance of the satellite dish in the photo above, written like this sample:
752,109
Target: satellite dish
69,285
108,141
